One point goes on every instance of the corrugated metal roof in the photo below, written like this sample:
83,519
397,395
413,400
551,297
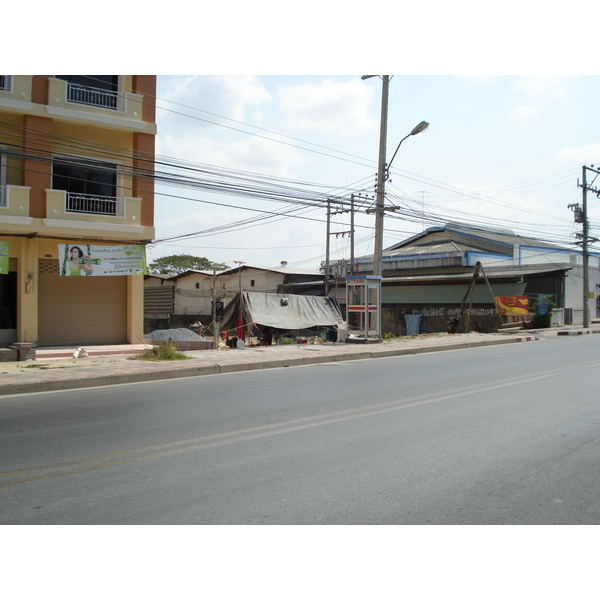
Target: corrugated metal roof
282,270
192,272
499,235
442,249
491,272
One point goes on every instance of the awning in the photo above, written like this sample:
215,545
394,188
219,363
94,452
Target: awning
290,311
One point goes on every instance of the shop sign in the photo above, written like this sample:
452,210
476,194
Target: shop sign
86,259
4,256
513,306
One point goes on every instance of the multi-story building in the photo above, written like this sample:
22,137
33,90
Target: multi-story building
76,170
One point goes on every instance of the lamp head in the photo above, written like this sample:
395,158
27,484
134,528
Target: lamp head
422,126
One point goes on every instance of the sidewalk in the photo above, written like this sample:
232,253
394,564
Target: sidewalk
57,369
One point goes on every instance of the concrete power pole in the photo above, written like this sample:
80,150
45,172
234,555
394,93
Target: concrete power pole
331,213
381,176
581,216
586,258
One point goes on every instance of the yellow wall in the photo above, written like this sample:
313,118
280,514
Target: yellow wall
115,140
10,135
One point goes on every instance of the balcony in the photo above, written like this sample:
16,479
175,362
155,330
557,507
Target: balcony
14,205
74,211
80,215
95,205
103,108
88,207
92,96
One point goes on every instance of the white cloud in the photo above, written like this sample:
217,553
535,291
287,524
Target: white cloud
524,112
327,107
225,96
254,154
546,86
264,156
589,153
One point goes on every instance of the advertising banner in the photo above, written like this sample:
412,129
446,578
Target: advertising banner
85,259
543,305
513,306
4,254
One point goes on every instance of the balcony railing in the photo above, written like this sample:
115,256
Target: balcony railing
89,204
92,96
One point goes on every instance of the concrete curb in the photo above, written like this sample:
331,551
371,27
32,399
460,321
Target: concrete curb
585,332
179,370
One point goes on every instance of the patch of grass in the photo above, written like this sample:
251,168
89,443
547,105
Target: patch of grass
166,351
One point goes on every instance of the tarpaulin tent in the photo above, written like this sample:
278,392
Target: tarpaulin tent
283,311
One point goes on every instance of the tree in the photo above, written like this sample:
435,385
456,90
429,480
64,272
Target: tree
180,263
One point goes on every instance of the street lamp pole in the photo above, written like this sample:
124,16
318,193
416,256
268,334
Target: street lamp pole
382,173
379,208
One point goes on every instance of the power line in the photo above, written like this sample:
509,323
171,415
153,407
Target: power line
237,182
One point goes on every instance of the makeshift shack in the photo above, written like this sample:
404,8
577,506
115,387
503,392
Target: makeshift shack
282,313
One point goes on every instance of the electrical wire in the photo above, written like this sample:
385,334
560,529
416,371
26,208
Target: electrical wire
242,183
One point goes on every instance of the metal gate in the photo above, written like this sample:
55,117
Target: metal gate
80,311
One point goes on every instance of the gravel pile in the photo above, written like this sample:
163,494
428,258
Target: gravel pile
177,335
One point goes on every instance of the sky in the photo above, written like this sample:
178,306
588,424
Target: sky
511,95
502,151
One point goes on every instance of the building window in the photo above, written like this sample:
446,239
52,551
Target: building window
94,90
91,186
5,81
252,283
197,286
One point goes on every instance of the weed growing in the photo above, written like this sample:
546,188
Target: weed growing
166,351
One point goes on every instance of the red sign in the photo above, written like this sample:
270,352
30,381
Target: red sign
513,305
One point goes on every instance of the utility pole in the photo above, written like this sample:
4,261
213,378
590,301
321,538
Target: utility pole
351,234
337,233
381,173
586,260
327,247
423,206
240,329
217,312
582,217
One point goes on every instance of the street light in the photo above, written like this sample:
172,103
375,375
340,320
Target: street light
383,171
382,175
422,126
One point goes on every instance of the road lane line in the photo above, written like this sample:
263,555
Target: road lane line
264,431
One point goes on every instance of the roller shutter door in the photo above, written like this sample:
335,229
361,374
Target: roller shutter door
79,311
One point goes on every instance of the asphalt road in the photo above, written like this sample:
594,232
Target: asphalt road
497,435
